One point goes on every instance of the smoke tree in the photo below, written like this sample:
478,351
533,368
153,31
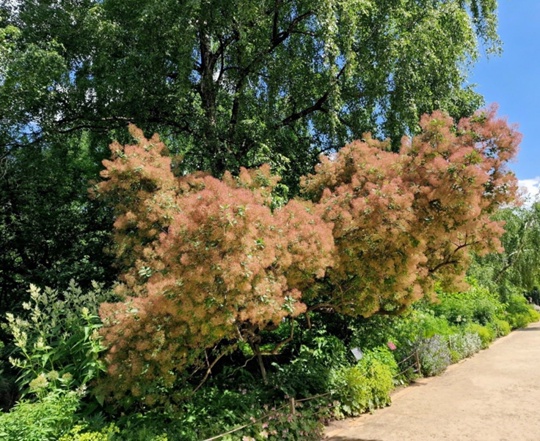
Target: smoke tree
209,261
403,221
227,83
204,260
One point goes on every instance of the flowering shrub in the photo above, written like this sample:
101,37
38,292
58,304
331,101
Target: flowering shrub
205,260
209,261
403,221
463,345
434,355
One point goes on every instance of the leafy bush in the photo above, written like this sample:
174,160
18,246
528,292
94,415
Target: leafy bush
213,411
371,332
519,312
59,339
487,334
463,345
434,355
79,433
353,390
432,325
501,327
309,373
477,305
47,419
367,385
304,425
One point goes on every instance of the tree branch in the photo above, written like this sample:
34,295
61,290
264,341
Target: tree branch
209,370
318,105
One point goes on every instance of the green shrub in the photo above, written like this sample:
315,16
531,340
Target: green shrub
371,332
212,412
304,425
463,345
486,333
59,338
432,326
309,373
519,312
353,390
367,385
501,327
380,367
434,355
47,419
79,433
477,305
152,425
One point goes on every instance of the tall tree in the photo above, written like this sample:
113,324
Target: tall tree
518,267
232,83
50,232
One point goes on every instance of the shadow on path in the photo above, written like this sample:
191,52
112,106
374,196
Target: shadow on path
527,330
344,438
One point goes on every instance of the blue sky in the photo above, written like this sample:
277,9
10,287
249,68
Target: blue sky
513,81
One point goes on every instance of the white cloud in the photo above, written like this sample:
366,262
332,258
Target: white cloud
531,188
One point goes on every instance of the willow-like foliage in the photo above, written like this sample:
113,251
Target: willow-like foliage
235,83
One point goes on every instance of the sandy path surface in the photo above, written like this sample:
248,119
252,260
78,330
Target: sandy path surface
494,396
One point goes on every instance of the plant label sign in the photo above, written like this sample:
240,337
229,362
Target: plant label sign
358,354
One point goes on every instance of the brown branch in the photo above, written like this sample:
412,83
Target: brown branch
299,115
318,105
277,4
449,260
282,343
321,306
209,370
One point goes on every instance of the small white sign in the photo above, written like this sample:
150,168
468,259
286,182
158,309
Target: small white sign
358,354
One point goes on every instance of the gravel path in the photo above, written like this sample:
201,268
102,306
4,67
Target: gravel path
493,396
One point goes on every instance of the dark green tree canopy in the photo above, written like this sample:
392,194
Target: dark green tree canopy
230,83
